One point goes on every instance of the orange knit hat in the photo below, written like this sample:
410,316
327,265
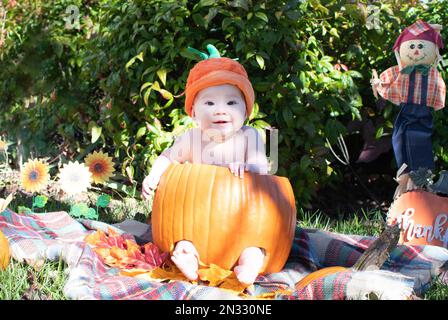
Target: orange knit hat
215,72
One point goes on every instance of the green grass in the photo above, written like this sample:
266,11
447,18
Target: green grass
20,280
437,291
364,223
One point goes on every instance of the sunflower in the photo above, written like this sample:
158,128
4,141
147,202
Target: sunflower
100,165
74,178
34,175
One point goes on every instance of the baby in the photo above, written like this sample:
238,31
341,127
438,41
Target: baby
219,97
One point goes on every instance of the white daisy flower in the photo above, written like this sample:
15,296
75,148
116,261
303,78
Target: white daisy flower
74,178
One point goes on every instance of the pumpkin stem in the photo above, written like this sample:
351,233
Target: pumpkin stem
202,55
212,52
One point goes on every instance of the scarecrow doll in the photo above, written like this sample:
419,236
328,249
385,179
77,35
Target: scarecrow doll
418,88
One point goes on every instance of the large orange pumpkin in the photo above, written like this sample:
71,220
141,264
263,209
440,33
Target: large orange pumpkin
4,252
423,218
222,214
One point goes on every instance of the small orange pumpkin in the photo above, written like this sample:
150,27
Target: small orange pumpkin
222,214
423,218
317,275
4,252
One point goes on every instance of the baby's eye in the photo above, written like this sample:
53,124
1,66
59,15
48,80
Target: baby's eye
209,103
412,46
232,102
420,46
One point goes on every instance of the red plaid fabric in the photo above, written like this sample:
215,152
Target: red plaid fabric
394,87
418,27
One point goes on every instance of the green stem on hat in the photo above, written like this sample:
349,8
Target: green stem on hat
203,55
212,52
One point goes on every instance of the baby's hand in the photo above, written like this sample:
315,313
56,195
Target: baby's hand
148,186
151,182
237,168
262,169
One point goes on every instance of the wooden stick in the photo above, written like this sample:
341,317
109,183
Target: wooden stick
378,252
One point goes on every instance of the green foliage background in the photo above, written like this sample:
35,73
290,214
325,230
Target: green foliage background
115,80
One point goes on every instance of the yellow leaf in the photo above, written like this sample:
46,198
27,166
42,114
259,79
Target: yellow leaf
168,273
134,272
232,283
156,86
118,253
101,252
273,294
112,233
214,274
104,256
260,61
161,73
95,238
146,96
132,247
96,133
166,94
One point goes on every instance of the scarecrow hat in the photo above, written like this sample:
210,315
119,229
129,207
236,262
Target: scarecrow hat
214,71
420,30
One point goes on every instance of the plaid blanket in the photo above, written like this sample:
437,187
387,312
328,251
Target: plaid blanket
35,238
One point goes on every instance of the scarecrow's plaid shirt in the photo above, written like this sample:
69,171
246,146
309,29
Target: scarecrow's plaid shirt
394,87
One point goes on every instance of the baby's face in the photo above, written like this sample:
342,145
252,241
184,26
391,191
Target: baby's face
220,111
415,52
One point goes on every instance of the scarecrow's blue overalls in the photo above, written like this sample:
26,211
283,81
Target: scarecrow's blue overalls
411,138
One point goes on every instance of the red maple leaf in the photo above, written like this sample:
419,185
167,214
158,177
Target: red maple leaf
119,251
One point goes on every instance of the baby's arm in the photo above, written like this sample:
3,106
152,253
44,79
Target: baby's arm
178,152
257,161
152,180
